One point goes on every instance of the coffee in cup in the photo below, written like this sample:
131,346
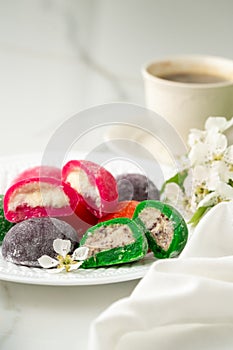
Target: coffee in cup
187,89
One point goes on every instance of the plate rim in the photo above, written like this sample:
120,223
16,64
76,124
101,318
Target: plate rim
139,269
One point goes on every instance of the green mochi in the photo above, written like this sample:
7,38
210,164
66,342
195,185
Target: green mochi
120,254
180,229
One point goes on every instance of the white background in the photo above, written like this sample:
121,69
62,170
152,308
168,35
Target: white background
58,57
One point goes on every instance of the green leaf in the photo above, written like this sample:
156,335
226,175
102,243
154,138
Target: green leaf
230,182
178,179
198,215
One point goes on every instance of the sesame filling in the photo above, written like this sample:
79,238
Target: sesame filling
159,225
109,237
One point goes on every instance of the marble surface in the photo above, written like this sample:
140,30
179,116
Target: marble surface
46,317
58,57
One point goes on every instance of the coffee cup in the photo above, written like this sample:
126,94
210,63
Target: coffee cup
187,89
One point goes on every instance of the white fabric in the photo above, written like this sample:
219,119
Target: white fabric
184,303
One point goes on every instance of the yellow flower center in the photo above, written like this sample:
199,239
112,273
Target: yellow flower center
217,157
65,262
201,191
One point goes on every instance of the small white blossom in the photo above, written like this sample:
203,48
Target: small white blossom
213,125
196,136
64,260
174,195
212,148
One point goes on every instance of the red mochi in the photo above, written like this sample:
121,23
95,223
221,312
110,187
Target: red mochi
96,185
41,197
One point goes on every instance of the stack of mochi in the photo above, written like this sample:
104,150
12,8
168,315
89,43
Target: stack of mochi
115,218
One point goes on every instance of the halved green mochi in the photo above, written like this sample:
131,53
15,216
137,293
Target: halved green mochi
164,227
113,242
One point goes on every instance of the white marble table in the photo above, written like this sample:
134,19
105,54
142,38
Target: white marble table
51,317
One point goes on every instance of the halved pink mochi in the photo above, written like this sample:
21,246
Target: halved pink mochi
39,171
39,197
96,185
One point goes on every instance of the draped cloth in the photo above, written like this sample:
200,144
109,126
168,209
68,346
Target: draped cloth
184,303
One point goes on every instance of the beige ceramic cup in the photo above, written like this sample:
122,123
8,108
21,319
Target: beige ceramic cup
186,105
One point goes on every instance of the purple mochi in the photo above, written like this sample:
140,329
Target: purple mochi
136,187
28,240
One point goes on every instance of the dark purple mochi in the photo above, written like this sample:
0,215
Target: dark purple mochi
28,240
136,187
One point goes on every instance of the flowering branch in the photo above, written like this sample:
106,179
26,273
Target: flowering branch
208,180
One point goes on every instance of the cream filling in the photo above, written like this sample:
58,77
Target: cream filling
159,225
108,237
78,179
38,194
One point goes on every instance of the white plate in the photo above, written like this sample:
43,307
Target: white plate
9,168
29,275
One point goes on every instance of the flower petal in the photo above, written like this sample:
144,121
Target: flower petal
225,191
207,176
172,192
80,253
217,142
62,246
228,155
209,200
222,170
218,123
74,267
47,262
200,174
195,136
199,154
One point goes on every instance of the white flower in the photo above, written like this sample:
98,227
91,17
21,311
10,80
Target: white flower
64,261
223,192
212,148
210,144
224,170
196,136
212,124
174,195
200,181
220,124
